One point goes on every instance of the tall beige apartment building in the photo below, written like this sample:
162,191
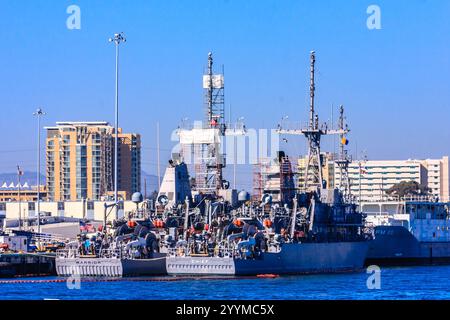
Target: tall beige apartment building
328,170
80,161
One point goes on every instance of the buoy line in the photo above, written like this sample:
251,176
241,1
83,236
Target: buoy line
156,279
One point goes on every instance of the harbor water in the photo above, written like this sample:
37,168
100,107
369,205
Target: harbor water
403,283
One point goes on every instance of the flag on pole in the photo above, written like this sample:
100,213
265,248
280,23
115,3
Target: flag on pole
86,227
19,171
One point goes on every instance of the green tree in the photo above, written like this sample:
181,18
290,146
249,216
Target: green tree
408,188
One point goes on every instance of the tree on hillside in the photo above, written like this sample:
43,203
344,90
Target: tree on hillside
408,188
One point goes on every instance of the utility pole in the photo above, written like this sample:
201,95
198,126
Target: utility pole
117,39
145,188
19,173
360,163
39,113
234,161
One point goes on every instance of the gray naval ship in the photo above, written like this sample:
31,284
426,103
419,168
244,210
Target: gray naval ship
321,234
413,232
135,245
131,248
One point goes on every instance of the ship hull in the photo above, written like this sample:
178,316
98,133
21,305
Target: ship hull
111,267
292,259
395,245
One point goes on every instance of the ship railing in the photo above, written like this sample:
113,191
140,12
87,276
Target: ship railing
218,251
221,251
75,253
112,253
45,238
67,253
388,198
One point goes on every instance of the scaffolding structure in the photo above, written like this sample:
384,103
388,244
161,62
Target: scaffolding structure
106,164
260,170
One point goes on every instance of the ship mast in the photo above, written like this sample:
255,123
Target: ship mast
209,94
312,89
205,141
313,172
313,134
212,177
343,161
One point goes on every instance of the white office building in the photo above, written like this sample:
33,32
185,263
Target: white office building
370,179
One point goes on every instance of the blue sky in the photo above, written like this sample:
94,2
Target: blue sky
394,82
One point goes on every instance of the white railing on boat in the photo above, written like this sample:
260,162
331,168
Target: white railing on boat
104,253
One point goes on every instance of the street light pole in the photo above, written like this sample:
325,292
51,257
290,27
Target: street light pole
117,39
359,163
39,113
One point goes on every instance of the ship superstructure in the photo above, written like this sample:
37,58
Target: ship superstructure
202,144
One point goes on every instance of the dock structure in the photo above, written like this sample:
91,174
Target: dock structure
27,264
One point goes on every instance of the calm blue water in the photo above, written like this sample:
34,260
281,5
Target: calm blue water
396,283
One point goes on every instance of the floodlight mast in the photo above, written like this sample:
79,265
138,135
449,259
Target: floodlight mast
117,39
39,113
